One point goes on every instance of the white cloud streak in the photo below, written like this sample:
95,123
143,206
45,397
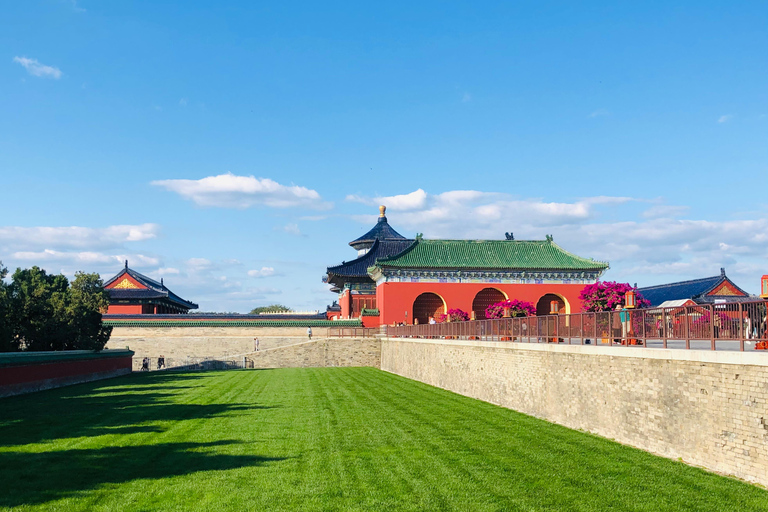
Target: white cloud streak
263,272
232,191
75,236
35,68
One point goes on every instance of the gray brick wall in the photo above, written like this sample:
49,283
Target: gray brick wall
709,409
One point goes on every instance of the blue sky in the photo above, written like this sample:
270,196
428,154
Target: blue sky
235,148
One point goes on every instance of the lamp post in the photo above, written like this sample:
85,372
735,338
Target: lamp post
630,302
554,308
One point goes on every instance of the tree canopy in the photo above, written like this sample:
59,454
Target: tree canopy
41,311
274,308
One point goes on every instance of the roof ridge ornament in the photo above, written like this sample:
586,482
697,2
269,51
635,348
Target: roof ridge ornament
126,264
550,238
510,236
382,212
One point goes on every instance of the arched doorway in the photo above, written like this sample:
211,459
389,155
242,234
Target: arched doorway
543,306
427,305
485,298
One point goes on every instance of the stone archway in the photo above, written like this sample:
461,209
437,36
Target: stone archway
427,305
485,298
543,305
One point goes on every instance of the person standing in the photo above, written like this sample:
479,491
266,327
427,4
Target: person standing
255,344
309,332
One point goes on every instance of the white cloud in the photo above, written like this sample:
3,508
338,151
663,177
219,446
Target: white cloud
84,260
199,264
75,236
725,118
292,229
34,68
411,201
231,191
263,272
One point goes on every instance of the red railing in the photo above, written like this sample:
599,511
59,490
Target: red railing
733,326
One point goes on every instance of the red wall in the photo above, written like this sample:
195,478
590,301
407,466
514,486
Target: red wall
394,299
124,309
38,372
28,376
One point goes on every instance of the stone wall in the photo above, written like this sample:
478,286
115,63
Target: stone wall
321,353
27,372
181,344
708,408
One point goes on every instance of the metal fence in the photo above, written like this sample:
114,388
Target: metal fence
732,326
353,332
145,363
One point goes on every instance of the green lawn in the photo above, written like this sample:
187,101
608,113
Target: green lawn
321,439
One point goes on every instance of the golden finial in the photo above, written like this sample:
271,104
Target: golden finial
382,210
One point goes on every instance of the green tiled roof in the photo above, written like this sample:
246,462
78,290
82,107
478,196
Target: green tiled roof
489,254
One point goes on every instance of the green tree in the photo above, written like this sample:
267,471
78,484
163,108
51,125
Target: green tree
88,300
7,341
39,304
274,308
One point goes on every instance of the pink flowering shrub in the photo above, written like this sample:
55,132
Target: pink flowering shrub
605,295
516,308
456,315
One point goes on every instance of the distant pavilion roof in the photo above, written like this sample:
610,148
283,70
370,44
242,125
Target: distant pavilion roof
702,291
489,254
381,231
153,290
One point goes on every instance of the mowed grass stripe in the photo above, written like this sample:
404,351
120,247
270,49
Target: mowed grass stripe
321,439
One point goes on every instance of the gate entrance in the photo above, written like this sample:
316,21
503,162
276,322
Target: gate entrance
484,298
427,305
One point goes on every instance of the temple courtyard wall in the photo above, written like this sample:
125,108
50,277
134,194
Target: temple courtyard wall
182,344
707,408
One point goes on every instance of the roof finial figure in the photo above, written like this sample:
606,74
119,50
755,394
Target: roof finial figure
722,271
510,236
550,238
126,264
161,282
382,211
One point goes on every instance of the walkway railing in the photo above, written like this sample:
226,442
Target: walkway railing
353,332
732,326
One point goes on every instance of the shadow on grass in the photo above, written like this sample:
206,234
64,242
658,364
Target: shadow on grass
92,410
34,478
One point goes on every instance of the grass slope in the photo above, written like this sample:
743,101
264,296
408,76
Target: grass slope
321,439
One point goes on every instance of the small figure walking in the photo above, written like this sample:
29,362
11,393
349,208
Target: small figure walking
161,362
255,344
145,364
309,332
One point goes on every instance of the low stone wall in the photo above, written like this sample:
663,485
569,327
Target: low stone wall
321,353
708,408
180,344
26,372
